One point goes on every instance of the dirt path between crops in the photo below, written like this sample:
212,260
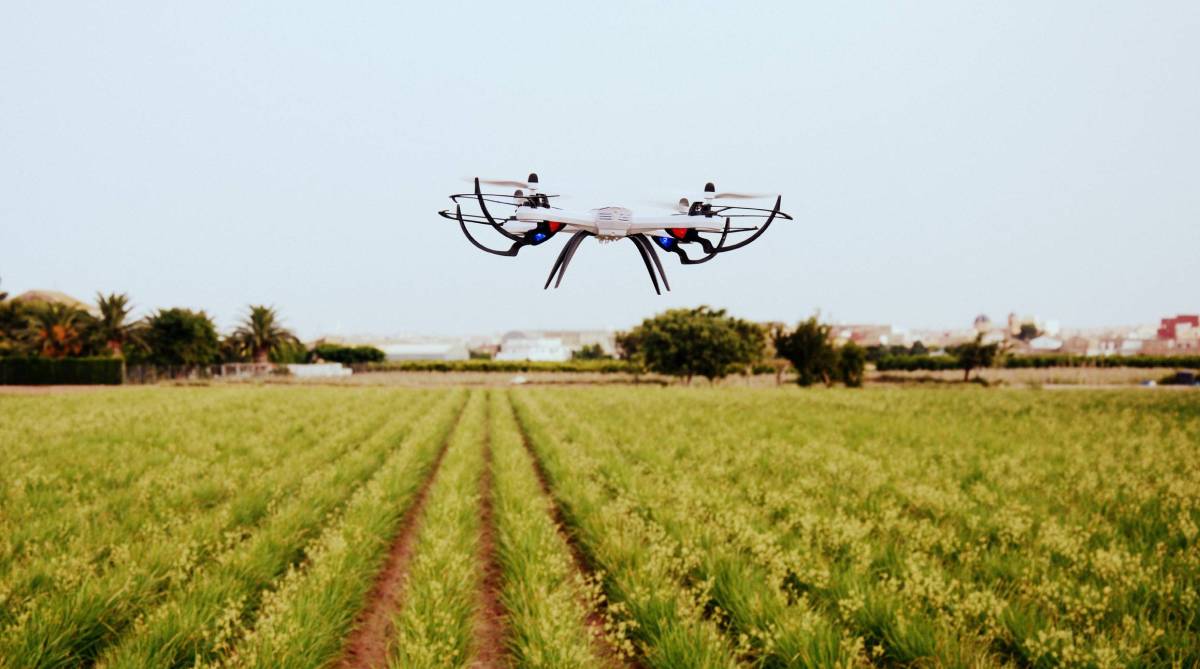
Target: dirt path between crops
367,645
596,611
489,625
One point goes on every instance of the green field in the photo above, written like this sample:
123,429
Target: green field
599,527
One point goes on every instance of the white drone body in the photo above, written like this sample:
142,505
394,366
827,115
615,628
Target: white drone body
613,223
534,221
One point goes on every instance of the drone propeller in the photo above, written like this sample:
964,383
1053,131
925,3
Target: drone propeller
741,196
529,184
684,204
710,193
681,206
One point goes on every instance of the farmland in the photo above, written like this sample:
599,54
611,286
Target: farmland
599,527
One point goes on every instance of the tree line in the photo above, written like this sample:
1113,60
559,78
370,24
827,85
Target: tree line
711,344
173,337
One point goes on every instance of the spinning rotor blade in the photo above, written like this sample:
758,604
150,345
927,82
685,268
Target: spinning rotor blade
741,196
504,182
681,206
530,183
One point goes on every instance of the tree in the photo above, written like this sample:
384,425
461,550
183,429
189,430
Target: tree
974,354
918,349
851,363
181,337
14,326
691,342
58,329
810,351
261,333
1028,332
113,328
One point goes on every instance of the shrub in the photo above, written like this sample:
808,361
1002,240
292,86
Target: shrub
809,350
851,362
181,337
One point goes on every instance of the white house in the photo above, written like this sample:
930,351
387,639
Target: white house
425,350
517,346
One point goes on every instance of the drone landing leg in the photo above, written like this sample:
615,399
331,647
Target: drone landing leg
557,263
649,248
649,267
573,245
564,257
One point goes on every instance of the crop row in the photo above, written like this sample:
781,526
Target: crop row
816,529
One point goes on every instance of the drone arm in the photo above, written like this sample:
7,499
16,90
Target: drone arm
512,251
488,215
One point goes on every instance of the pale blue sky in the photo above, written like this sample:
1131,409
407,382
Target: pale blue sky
941,158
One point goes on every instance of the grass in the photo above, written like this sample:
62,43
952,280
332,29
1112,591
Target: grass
752,527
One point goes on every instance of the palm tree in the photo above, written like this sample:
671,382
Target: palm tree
58,329
13,325
261,332
114,327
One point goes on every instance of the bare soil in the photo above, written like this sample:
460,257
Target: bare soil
368,643
489,625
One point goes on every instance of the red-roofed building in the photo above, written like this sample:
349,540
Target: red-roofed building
1179,327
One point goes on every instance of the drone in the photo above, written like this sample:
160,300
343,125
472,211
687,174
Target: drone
530,219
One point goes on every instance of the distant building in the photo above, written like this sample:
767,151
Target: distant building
424,349
521,346
552,345
1045,344
52,297
1180,327
868,335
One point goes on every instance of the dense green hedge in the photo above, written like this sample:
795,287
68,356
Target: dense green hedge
66,371
909,363
347,355
600,366
1169,361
